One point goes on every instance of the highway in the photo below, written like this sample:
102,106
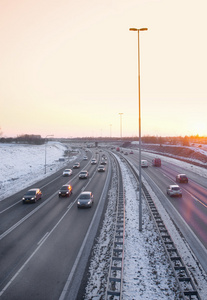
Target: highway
189,211
39,243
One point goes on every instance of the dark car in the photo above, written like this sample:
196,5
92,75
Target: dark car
76,166
101,168
83,174
85,199
103,162
182,178
32,196
65,191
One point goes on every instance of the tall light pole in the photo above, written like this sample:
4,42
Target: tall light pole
45,149
121,124
140,178
110,130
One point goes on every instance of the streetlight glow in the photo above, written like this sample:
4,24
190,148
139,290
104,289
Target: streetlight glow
136,29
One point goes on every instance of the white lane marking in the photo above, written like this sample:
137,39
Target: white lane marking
35,251
1,212
43,238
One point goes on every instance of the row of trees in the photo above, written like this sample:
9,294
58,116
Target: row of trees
177,140
24,139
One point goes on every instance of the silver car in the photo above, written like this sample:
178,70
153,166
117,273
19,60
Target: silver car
67,172
83,174
85,199
174,190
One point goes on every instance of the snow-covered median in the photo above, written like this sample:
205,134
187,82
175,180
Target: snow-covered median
147,271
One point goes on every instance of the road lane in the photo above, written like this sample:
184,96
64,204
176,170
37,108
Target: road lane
39,253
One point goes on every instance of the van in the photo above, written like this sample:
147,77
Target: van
156,162
144,163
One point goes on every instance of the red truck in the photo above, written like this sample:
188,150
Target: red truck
156,162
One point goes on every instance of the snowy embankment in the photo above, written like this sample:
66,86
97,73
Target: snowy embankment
23,165
194,154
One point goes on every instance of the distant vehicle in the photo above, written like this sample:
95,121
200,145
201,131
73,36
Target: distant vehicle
93,161
131,152
103,162
76,165
182,178
126,153
101,168
67,172
83,174
32,196
65,191
85,199
174,190
85,158
156,162
117,149
144,163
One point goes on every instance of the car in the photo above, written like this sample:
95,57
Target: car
85,158
182,178
93,161
174,190
76,166
85,199
67,172
126,153
83,174
156,162
144,163
32,195
101,168
131,152
103,162
65,190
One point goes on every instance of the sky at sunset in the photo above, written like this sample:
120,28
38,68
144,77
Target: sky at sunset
69,67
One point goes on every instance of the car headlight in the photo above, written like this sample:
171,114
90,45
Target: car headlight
32,198
89,202
23,198
78,202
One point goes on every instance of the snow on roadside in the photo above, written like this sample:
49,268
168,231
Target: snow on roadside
23,165
147,272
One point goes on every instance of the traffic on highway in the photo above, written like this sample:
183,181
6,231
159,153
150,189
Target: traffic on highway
51,229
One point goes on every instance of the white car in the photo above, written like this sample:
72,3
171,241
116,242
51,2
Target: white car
174,190
67,172
93,161
85,158
83,174
144,163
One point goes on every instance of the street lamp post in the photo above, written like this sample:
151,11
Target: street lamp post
121,124
140,179
110,130
45,150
